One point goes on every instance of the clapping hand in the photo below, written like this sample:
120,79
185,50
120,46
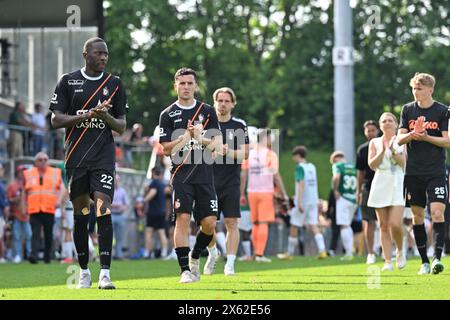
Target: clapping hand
419,132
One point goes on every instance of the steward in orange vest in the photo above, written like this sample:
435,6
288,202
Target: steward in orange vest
44,189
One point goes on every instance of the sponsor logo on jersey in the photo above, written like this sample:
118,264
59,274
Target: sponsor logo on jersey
201,117
177,204
78,90
105,91
178,120
93,123
162,133
54,97
75,82
429,125
175,113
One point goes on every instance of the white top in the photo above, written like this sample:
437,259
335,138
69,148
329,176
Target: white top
310,190
387,184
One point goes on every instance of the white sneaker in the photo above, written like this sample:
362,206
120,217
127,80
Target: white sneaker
262,259
106,284
371,258
424,269
17,259
347,257
400,261
229,270
387,267
245,258
85,280
194,265
210,264
188,277
2,260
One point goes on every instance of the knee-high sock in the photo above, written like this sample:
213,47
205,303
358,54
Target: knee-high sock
183,258
292,244
320,242
347,240
105,240
247,247
81,238
201,243
439,236
420,235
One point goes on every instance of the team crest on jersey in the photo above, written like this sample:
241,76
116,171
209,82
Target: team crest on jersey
105,91
201,118
177,204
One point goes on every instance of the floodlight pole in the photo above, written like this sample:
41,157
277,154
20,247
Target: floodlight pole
344,126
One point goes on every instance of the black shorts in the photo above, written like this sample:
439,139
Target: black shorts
421,190
357,226
88,180
367,213
185,195
156,221
229,201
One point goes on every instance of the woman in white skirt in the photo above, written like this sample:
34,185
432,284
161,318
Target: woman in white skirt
388,160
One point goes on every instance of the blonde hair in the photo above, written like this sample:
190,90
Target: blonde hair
336,154
225,90
390,114
424,79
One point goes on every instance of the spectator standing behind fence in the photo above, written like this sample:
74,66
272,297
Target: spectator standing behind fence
364,177
43,191
156,214
388,160
4,212
119,207
16,135
21,224
38,133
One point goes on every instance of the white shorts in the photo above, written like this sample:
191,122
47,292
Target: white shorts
67,221
2,227
310,216
407,213
245,223
345,210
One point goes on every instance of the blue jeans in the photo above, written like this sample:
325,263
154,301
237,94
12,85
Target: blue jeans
118,222
21,229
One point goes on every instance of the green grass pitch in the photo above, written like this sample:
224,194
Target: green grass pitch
302,278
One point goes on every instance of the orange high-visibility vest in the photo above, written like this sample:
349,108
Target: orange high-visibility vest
42,195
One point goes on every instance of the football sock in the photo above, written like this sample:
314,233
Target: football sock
183,258
80,237
292,244
320,242
261,239
347,240
439,236
105,240
247,247
201,243
220,239
420,235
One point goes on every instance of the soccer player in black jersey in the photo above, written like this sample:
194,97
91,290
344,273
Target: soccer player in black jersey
90,103
424,128
227,172
189,133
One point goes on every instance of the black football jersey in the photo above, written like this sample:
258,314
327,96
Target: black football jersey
90,143
227,171
425,158
193,163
